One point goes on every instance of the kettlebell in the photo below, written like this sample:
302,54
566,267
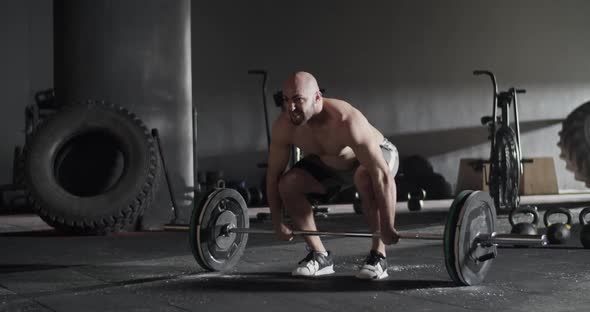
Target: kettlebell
527,228
416,199
558,233
585,232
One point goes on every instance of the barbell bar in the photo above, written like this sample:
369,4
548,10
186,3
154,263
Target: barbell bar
490,239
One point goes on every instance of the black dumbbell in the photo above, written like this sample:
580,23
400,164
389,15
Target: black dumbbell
242,188
356,204
257,196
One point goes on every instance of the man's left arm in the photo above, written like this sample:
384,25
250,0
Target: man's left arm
370,156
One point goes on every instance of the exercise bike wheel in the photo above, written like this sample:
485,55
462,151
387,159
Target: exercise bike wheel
505,170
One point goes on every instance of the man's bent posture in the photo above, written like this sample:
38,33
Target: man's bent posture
341,148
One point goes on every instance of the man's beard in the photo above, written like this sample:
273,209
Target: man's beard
299,118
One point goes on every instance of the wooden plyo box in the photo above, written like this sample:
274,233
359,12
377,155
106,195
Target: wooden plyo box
539,176
471,176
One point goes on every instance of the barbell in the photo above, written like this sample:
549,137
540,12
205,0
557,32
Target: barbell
219,230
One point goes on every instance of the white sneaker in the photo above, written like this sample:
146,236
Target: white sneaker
374,267
315,264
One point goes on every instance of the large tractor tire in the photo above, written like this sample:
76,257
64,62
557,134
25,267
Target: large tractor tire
574,142
91,168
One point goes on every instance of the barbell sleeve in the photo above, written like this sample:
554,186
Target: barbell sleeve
512,239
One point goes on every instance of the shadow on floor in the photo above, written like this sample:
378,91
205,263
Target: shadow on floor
17,268
284,282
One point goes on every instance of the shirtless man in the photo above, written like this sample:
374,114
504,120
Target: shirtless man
341,149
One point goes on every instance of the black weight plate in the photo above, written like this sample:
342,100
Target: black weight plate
476,216
449,234
213,251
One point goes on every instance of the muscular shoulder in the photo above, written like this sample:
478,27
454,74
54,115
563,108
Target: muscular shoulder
353,126
345,114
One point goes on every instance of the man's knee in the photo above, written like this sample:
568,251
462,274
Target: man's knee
291,192
290,183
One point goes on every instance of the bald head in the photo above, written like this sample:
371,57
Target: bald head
302,97
301,82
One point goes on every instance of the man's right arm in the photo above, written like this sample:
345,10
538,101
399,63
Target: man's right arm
278,157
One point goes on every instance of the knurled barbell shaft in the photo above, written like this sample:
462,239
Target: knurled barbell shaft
403,235
485,239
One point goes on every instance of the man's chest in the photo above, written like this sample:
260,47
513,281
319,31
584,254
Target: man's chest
319,142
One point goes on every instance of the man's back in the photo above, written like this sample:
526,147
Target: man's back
327,135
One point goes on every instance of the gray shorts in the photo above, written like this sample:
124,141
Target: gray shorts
334,181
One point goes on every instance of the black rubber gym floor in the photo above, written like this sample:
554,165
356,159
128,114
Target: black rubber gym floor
155,271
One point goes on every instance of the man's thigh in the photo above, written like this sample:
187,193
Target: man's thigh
331,180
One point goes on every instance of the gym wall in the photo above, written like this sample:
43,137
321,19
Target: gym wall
26,66
406,64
